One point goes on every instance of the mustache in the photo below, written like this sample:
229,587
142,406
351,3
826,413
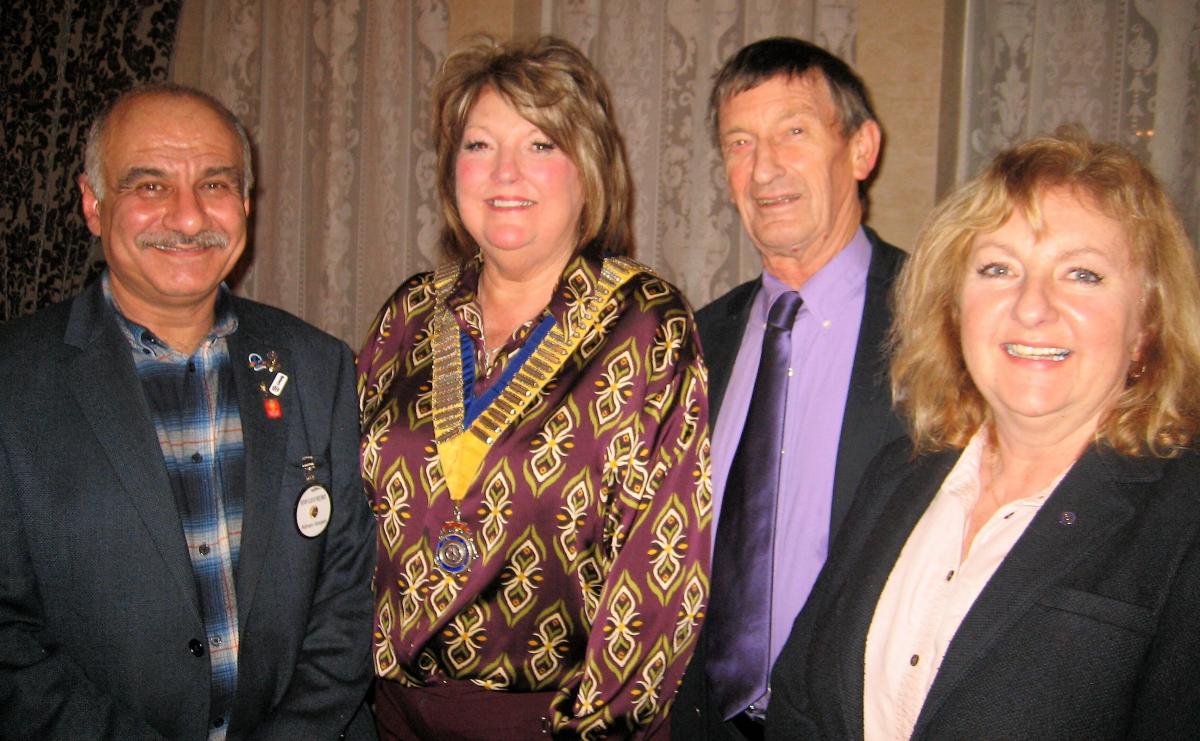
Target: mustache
174,239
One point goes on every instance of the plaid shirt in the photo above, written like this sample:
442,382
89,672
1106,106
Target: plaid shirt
195,411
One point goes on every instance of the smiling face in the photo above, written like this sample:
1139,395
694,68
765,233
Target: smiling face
173,219
792,174
519,195
1051,321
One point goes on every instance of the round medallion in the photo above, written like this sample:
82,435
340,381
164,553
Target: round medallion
455,548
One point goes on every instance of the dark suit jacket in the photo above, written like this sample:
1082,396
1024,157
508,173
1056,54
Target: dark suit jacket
99,610
1088,630
868,424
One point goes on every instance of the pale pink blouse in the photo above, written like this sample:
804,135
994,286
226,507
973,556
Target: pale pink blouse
931,588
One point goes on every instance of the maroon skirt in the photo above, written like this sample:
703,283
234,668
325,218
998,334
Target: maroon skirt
459,710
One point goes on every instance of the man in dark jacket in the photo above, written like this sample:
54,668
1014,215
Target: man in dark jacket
797,422
187,551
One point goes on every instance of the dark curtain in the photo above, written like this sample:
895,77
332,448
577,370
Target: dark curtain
60,61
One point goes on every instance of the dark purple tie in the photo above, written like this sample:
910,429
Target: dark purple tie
738,627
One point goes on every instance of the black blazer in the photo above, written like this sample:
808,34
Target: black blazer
100,625
868,424
1089,629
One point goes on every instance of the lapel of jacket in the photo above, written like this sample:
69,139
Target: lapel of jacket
721,326
1047,549
106,386
265,443
868,422
865,580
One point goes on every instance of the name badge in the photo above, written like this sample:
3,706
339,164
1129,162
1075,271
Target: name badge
313,510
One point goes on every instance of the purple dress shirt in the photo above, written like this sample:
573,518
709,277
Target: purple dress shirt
824,337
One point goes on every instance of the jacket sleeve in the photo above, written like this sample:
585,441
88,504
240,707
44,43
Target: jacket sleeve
43,693
1167,700
792,714
333,670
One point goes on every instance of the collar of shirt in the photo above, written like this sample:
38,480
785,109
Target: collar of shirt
570,290
964,483
825,294
579,275
836,291
143,340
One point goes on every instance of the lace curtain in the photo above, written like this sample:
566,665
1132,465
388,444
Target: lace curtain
336,95
1127,70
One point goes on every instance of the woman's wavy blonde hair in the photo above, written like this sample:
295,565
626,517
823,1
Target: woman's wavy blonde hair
1159,411
552,85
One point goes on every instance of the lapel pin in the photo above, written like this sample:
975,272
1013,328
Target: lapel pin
269,363
1066,519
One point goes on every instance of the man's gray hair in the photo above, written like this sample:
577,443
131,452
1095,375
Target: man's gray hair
93,152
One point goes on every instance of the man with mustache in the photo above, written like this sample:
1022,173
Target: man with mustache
187,551
797,378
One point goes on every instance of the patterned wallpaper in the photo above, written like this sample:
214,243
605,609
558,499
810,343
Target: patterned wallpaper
60,62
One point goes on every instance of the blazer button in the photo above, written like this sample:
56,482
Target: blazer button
196,647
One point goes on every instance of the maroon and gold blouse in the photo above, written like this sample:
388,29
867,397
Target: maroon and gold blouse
590,512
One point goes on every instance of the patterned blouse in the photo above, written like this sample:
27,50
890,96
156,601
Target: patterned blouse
590,512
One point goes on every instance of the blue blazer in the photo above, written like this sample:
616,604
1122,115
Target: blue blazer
1089,629
867,425
100,622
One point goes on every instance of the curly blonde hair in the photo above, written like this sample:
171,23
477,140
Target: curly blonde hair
1158,413
552,85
